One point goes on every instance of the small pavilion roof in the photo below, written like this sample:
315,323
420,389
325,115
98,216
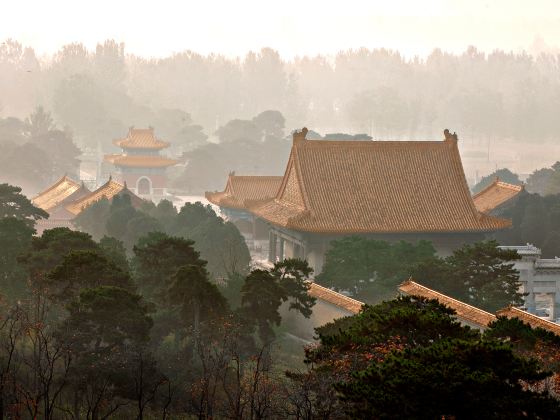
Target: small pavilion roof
139,161
141,138
347,303
241,191
346,187
464,311
496,194
533,320
62,191
108,190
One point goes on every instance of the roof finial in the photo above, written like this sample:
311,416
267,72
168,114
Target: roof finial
299,136
125,186
110,177
449,136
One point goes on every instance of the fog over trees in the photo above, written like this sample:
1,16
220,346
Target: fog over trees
97,93
194,101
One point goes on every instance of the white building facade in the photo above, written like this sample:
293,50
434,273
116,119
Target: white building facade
540,280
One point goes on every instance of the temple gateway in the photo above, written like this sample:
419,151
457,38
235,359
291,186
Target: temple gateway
387,190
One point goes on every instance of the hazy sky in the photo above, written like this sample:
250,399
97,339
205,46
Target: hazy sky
161,27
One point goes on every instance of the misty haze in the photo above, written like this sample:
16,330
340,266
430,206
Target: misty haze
279,211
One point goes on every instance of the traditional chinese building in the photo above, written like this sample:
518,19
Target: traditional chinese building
240,193
66,199
497,197
387,190
108,190
140,164
54,199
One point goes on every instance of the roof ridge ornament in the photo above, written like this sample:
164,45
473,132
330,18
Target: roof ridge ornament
450,137
299,136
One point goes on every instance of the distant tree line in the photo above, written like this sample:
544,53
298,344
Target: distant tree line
485,96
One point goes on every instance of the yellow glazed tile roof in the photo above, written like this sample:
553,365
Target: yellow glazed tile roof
240,191
350,187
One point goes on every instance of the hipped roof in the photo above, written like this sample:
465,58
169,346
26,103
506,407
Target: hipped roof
62,191
495,194
141,138
108,190
243,191
347,187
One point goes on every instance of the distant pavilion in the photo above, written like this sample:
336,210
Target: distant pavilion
387,190
140,164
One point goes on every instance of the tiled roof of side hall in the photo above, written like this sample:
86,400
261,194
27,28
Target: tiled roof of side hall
241,191
62,190
464,311
108,190
495,194
141,138
533,320
346,187
344,302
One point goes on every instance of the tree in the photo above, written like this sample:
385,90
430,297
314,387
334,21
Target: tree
93,219
480,274
39,122
198,299
293,274
15,239
14,204
261,299
104,325
271,124
128,224
114,251
157,258
50,249
82,270
264,292
371,269
410,356
539,180
443,379
533,226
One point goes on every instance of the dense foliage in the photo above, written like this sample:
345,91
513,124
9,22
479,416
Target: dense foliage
86,332
535,220
371,269
410,358
480,274
218,242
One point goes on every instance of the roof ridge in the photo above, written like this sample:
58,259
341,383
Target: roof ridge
461,303
56,184
510,186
